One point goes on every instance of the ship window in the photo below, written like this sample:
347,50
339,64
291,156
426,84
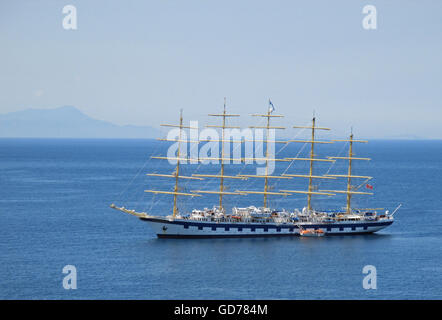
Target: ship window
353,228
341,229
186,226
227,228
329,229
213,228
291,229
253,229
266,229
200,228
239,229
278,229
365,228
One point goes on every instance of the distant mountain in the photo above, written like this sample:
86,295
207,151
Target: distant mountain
66,122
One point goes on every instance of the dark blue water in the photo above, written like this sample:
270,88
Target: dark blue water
55,196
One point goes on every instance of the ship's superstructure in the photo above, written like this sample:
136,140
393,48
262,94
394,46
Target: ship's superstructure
256,221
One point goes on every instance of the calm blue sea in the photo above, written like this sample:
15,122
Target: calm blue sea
54,211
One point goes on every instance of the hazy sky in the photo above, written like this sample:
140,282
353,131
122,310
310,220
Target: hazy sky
139,62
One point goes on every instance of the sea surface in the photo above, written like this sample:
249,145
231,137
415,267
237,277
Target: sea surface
54,211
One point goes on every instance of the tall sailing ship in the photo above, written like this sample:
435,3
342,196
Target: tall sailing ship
261,221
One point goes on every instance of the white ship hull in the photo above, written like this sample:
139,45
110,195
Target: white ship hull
184,228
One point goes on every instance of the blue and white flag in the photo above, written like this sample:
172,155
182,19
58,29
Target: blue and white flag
271,107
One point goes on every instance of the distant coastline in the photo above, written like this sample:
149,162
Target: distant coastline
67,122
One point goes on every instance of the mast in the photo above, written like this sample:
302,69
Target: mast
176,173
266,179
267,158
221,182
221,176
177,170
350,190
350,155
312,159
310,179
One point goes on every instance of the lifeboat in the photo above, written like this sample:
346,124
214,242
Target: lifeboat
312,233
